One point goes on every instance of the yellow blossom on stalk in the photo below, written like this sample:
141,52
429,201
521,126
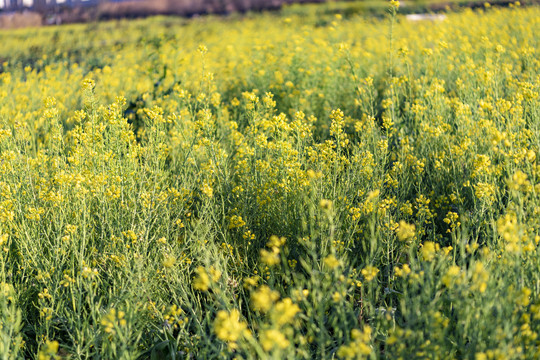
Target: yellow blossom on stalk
214,273
34,213
369,272
207,190
531,156
251,282
273,338
485,192
372,195
276,242
479,277
447,249
236,221
337,127
299,295
50,349
88,84
452,276
359,347
314,175
519,181
202,49
524,297
229,328
405,231
331,261
429,250
112,320
403,271
270,258
343,47
3,239
263,299
284,311
162,240
202,280
7,291
326,204
452,220
88,273
509,229
169,261
173,316
67,281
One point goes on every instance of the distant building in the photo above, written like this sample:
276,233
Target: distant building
13,4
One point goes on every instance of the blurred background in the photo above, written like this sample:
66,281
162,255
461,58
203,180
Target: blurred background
23,13
20,13
143,7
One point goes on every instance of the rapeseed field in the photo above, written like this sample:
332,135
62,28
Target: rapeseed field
294,186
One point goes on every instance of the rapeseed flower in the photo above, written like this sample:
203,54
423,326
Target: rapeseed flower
273,338
202,279
263,299
405,231
229,328
284,311
369,272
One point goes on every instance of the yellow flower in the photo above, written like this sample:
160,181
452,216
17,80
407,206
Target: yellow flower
331,261
215,273
299,295
369,272
236,221
519,181
3,239
479,277
284,311
452,274
372,195
273,338
169,261
524,297
405,231
202,49
48,350
112,320
276,241
251,282
403,271
326,204
270,258
481,355
229,328
359,347
263,299
202,280
7,291
429,250
207,190
88,84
